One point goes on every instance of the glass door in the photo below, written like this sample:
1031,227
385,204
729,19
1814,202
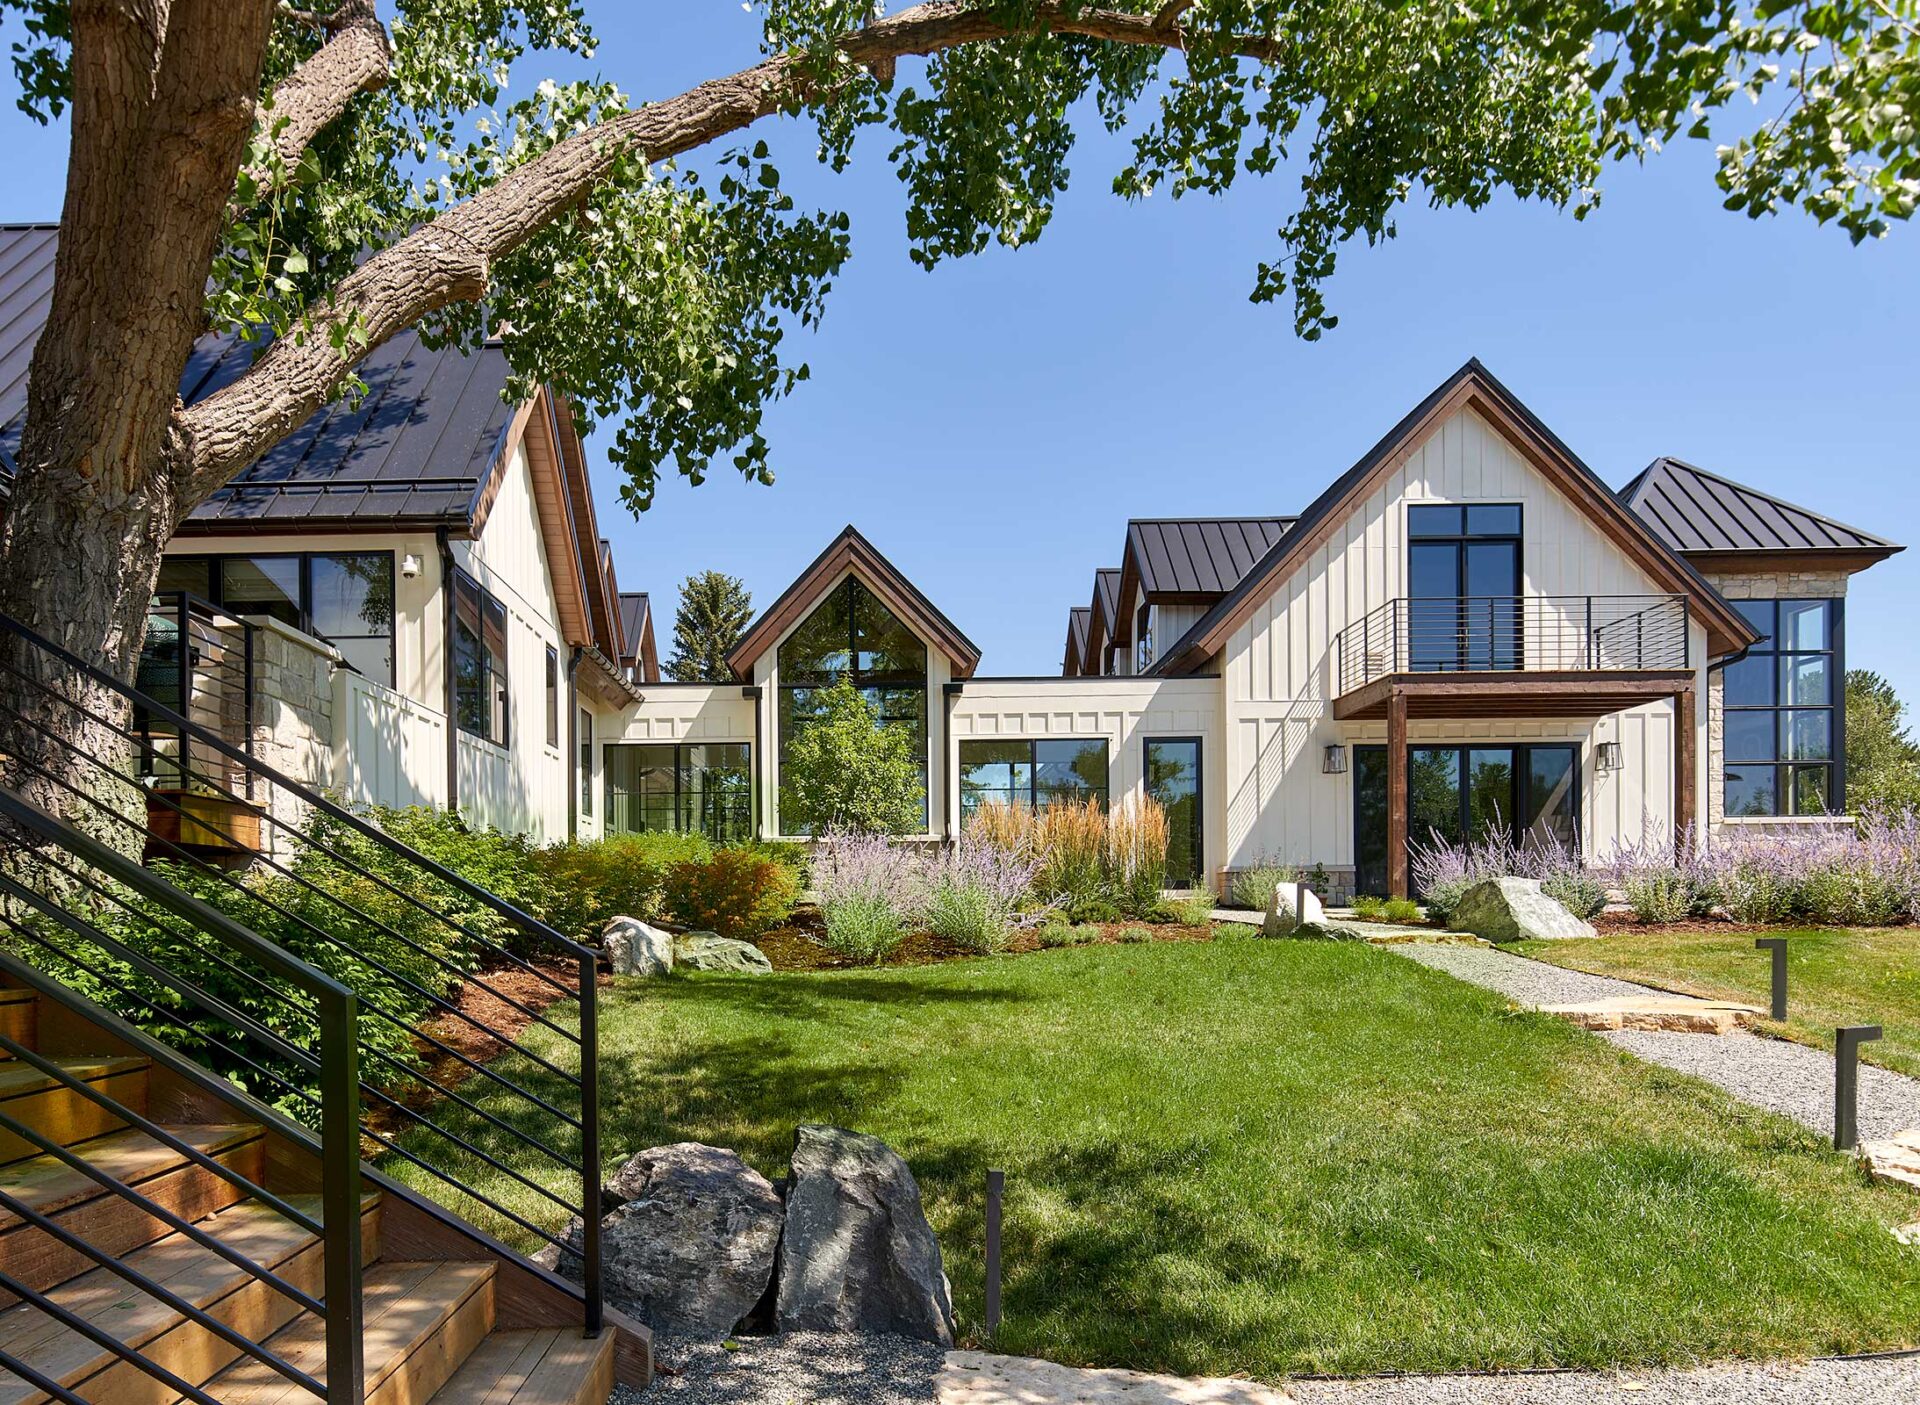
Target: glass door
1463,587
1173,779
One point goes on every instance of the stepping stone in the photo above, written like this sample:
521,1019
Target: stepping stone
1676,1014
980,1378
1897,1159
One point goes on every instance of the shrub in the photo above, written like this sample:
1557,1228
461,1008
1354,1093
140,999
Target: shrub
867,886
1401,910
1135,934
1580,893
1368,908
1195,911
1443,871
734,892
1056,934
1070,843
975,895
1254,887
620,876
1659,895
1086,933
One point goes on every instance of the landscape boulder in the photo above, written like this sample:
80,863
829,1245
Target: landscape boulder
636,948
690,1245
707,951
1282,920
1514,910
858,1254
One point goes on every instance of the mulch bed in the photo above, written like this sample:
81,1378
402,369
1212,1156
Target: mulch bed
801,944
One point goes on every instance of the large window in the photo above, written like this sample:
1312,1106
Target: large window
1173,780
1031,774
689,788
853,637
553,697
481,699
1782,721
584,723
1463,584
343,597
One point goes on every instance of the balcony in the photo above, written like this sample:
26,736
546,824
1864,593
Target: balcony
1513,655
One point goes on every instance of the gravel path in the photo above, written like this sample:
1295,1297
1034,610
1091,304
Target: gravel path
819,1369
1791,1079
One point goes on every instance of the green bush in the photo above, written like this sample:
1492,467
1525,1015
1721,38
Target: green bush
1195,911
1578,892
1401,910
1086,933
623,875
1135,934
1254,887
734,892
969,916
865,926
1369,908
1659,895
1094,907
1056,934
1443,895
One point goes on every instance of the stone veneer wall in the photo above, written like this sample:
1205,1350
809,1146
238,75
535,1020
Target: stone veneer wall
1751,585
293,707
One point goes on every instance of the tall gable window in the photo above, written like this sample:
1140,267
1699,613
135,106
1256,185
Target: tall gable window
1782,729
853,637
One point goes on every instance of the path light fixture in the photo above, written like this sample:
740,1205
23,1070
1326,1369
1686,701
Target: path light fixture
1334,761
1606,757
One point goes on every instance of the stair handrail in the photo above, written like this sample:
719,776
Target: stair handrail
336,1009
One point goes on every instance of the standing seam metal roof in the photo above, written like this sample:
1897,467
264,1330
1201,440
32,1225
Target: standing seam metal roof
1694,510
1200,555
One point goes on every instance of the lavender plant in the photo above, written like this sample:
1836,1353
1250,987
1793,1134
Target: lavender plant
975,895
868,888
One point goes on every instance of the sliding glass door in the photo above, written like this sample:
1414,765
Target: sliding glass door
1466,794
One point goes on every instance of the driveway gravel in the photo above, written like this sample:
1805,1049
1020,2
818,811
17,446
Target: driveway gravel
1791,1079
799,1368
1890,1382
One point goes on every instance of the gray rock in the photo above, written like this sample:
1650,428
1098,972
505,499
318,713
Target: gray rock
704,951
858,1254
1283,921
690,1248
1513,910
636,948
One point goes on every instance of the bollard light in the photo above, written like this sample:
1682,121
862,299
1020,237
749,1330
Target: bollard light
1846,1082
1778,946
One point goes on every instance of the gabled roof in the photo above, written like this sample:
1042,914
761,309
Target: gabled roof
1106,596
1198,557
1104,605
1077,620
416,450
638,653
1476,388
851,552
1712,519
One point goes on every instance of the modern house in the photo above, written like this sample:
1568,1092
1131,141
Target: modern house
1466,633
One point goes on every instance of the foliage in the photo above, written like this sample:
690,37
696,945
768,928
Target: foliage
1369,908
1401,910
975,894
734,892
867,888
1883,760
619,876
1577,890
1092,865
1443,871
500,864
1137,855
1254,887
714,612
1193,911
842,770
1659,894
1058,933
1134,935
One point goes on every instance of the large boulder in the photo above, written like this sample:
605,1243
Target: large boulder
636,948
689,1248
1514,910
858,1254
705,951
1284,919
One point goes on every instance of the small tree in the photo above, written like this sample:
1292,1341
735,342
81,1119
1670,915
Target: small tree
1883,761
845,770
713,614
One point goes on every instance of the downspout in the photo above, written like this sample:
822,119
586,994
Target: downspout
573,743
452,684
949,802
758,757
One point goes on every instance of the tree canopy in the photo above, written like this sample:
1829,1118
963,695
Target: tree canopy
645,256
1883,760
714,612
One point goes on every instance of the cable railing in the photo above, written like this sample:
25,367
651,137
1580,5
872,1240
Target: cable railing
476,1114
1514,634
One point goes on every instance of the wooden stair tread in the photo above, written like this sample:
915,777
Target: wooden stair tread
131,1316
402,1306
18,1079
543,1366
47,1184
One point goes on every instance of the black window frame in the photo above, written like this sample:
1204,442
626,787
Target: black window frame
739,808
1781,768
1198,838
1033,763
497,728
553,697
1487,633
1143,638
584,722
215,593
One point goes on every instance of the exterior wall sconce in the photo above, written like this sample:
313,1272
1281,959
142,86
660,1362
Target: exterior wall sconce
409,566
1333,761
1606,757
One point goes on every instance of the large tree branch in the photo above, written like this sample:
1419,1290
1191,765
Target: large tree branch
449,259
355,59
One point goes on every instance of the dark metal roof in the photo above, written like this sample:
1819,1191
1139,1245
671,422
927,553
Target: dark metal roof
1106,595
1693,510
633,618
1199,555
417,446
1078,620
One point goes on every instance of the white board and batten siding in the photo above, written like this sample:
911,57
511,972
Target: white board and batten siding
1280,667
388,749
1123,712
684,712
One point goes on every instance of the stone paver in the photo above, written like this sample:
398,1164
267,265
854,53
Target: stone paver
981,1378
1679,1013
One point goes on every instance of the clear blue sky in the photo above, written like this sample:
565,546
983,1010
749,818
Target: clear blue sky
991,425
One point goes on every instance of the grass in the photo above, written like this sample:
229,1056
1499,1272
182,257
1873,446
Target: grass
1269,1158
1834,978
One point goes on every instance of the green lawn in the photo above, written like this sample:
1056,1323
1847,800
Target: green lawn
1270,1158
1870,976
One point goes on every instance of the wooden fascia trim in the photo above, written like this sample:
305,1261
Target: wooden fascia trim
556,525
490,490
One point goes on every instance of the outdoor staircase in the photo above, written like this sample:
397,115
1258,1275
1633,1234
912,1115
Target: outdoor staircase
431,1329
